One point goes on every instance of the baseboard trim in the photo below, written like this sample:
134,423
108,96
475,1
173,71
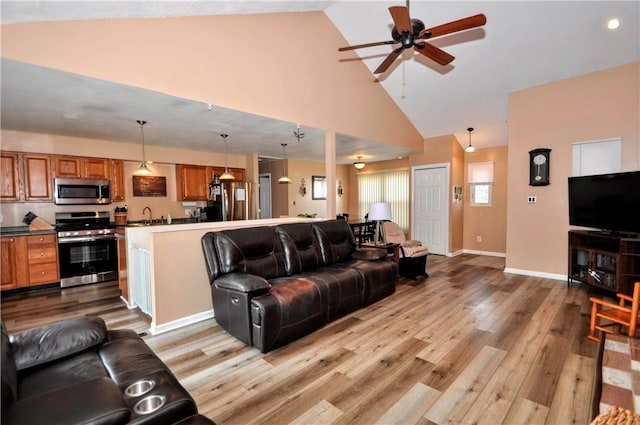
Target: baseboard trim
129,306
455,253
534,273
176,324
488,253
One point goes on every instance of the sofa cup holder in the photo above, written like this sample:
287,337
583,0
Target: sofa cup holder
139,388
149,404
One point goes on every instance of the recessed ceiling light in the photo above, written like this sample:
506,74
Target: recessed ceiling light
613,24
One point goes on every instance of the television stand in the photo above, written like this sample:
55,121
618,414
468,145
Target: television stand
609,261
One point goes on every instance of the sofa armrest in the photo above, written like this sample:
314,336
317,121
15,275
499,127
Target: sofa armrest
98,401
242,282
55,341
370,254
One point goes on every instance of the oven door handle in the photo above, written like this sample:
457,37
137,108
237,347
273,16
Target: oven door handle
86,239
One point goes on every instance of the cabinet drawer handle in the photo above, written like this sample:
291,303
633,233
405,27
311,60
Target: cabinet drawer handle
41,239
43,273
42,254
234,300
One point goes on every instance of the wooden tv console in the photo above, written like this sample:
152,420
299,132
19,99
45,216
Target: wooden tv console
606,260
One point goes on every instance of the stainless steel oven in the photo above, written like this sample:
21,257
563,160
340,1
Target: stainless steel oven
87,248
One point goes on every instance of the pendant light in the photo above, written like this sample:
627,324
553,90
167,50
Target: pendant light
284,179
470,149
143,169
226,176
359,164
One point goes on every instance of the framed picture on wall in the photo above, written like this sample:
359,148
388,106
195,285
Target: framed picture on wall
318,187
149,186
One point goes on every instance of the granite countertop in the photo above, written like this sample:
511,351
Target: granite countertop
23,231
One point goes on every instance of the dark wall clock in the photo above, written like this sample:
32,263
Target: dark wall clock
539,167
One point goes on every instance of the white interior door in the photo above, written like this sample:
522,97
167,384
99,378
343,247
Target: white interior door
431,207
265,195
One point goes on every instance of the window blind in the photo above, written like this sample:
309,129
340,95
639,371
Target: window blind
391,186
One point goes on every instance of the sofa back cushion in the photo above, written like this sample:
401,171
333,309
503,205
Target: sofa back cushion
254,250
210,255
299,246
335,240
9,371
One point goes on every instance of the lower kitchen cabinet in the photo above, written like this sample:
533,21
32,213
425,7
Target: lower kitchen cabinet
123,284
13,267
29,261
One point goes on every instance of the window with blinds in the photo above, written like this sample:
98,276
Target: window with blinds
391,186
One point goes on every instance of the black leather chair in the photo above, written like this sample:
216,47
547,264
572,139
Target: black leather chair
78,372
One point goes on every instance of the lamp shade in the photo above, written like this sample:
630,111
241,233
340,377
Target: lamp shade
380,211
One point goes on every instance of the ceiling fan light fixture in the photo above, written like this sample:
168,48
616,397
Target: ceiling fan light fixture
226,176
470,148
144,168
359,164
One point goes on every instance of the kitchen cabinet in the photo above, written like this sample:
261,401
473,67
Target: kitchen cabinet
14,268
26,177
193,180
116,175
42,259
123,283
10,182
38,177
76,166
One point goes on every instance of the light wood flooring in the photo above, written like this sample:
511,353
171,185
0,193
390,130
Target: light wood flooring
469,345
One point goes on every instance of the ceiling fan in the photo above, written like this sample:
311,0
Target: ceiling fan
412,33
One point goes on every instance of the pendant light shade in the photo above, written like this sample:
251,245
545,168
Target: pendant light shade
144,168
470,149
359,164
226,176
284,179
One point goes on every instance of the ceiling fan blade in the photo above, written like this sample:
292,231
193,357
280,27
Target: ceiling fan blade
401,19
454,26
434,53
360,46
388,61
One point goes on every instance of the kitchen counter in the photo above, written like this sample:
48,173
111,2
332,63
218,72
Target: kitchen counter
23,231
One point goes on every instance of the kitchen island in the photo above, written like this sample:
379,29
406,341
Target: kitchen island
167,276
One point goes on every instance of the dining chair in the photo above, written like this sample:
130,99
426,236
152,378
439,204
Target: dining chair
610,317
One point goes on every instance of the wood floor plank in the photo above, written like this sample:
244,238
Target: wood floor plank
501,348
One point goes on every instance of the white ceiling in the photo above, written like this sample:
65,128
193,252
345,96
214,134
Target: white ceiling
523,44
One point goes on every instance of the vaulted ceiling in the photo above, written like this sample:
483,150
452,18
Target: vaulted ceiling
523,44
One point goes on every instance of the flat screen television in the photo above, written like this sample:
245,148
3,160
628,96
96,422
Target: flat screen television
609,202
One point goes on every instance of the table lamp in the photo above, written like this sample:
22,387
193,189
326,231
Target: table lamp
379,211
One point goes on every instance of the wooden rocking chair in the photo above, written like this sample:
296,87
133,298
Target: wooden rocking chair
615,316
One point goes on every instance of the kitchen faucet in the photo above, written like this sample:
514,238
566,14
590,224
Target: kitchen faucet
150,216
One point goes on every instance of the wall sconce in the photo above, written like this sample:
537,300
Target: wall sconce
457,194
303,188
339,187
359,164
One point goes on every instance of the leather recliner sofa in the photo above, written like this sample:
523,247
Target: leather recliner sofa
78,372
273,285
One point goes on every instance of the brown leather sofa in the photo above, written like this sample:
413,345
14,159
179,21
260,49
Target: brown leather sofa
78,372
273,285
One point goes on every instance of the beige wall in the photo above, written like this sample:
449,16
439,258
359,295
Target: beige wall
595,106
490,223
195,58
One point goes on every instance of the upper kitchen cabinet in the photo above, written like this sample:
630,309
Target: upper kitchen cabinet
116,175
72,166
26,177
37,182
192,182
10,182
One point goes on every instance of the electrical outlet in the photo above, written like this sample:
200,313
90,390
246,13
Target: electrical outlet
187,212
532,199
478,239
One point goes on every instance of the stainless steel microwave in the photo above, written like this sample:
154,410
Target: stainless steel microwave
72,191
